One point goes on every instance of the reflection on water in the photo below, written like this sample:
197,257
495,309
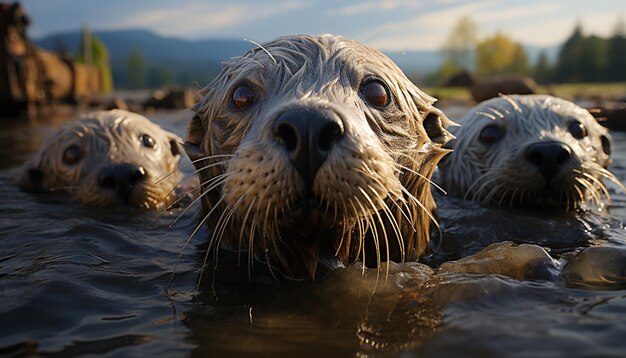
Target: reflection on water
76,280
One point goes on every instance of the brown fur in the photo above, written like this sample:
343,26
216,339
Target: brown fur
373,190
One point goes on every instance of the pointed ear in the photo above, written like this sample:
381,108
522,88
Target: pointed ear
435,124
194,137
31,177
176,144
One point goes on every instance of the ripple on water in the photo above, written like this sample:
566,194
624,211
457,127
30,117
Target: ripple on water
77,280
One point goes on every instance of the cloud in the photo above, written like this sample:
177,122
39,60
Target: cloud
530,24
519,12
199,19
368,6
552,31
425,31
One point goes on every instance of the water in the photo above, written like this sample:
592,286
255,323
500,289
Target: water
76,280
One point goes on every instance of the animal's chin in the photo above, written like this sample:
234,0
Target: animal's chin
550,197
140,197
315,233
308,218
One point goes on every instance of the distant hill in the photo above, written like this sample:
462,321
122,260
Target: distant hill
187,61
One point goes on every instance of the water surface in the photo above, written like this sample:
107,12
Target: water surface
78,280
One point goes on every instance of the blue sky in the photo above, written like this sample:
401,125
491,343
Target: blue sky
384,24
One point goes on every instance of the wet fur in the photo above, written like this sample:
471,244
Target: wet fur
106,138
374,191
499,173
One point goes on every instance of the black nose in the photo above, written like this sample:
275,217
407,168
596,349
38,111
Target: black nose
308,136
121,178
548,157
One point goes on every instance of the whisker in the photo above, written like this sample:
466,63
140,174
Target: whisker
382,226
204,219
430,215
262,48
421,176
476,182
218,182
599,184
195,161
251,248
243,226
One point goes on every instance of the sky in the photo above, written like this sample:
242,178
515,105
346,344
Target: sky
398,25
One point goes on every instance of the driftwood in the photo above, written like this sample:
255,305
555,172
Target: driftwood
506,84
171,97
484,89
612,116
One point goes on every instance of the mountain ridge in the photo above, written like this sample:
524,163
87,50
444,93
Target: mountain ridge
203,57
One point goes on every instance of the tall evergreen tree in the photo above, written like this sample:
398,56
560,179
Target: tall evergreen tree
137,68
616,54
543,69
568,64
592,59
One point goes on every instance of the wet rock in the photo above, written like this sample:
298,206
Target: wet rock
116,103
171,97
505,84
523,262
597,267
611,115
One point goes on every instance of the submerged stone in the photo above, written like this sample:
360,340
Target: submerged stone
523,262
597,267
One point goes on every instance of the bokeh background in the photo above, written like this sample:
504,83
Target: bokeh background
155,43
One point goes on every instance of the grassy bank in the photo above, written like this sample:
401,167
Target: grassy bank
592,91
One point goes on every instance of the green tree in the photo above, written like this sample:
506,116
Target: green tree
100,58
499,54
543,69
460,44
519,63
568,63
615,69
136,67
593,59
159,76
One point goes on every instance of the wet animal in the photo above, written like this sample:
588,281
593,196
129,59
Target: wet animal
529,150
108,158
314,152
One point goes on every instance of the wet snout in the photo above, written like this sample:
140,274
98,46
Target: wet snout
121,178
308,136
549,157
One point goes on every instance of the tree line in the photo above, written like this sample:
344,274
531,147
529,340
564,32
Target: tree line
581,58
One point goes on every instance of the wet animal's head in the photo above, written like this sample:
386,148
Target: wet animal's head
316,149
107,158
527,151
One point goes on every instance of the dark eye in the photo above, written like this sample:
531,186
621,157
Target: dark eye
578,130
147,141
243,97
491,134
606,145
375,93
72,155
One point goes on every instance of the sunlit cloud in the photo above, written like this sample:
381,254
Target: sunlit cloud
385,24
536,25
517,13
199,19
368,6
425,31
